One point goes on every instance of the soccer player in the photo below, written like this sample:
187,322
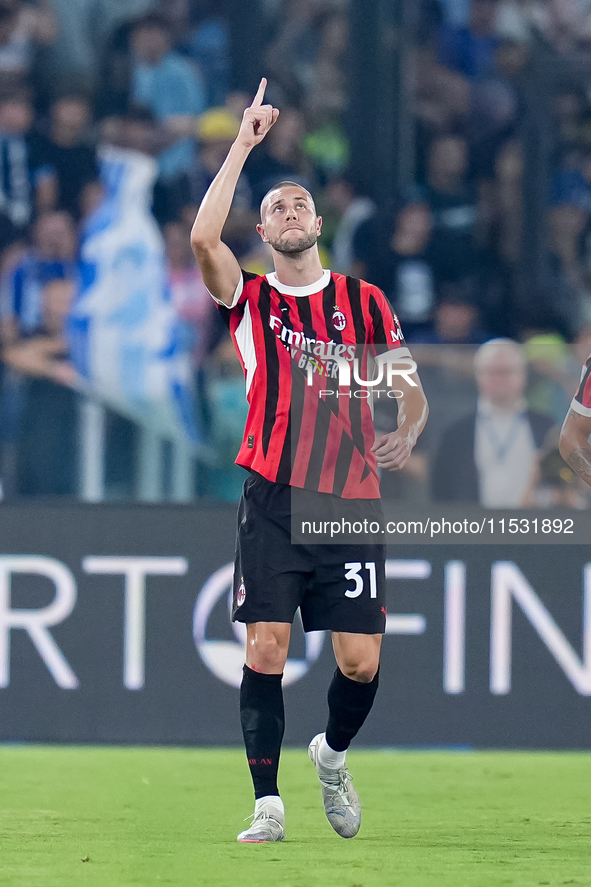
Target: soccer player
574,436
287,327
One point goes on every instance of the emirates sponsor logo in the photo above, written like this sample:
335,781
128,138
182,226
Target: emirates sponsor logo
299,344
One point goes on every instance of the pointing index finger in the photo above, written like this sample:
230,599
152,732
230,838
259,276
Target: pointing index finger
258,99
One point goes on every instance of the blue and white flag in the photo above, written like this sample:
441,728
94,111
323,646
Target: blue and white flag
125,337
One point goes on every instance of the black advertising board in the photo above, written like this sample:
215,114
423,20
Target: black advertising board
114,627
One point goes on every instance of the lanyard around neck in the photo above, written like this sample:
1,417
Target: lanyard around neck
502,447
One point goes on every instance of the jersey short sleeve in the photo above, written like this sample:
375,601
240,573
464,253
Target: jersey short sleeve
239,293
581,402
386,335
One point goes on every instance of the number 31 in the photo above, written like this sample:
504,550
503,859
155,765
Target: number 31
352,572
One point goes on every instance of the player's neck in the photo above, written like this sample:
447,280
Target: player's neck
300,269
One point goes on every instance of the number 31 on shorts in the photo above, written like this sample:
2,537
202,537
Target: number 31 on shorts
353,571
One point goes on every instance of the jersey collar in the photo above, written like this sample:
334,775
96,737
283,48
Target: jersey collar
308,290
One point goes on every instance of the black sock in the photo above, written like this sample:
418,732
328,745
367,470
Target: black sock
349,703
262,718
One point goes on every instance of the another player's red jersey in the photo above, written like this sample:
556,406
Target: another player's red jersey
581,402
296,433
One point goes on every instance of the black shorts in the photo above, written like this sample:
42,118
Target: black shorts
336,587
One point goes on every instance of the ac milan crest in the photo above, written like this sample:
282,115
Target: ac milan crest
241,594
339,320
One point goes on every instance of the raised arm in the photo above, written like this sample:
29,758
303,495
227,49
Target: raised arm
220,269
574,444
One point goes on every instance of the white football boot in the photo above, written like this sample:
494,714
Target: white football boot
341,803
268,824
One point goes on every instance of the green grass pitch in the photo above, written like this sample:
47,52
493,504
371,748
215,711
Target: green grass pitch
117,817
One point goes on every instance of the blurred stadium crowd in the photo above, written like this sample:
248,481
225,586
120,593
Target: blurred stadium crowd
80,79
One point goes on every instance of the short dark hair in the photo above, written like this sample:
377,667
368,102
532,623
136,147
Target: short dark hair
285,183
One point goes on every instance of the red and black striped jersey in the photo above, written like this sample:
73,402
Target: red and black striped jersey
298,430
581,402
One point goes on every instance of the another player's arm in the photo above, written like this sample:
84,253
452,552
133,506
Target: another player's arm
219,267
393,450
574,444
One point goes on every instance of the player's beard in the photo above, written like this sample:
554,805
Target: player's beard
293,247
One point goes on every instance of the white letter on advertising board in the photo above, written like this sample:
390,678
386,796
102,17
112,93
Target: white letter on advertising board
406,623
508,583
37,622
454,628
135,570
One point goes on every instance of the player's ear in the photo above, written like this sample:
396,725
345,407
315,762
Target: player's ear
318,224
263,236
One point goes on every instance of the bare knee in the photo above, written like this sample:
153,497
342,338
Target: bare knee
358,656
364,672
266,649
267,655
